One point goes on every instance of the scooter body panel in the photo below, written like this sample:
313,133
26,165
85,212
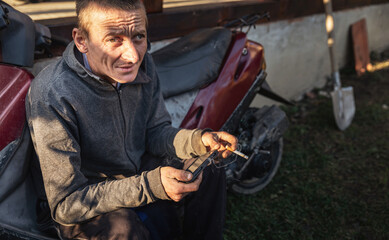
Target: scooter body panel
14,84
216,102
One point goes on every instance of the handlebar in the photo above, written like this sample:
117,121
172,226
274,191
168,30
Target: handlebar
248,20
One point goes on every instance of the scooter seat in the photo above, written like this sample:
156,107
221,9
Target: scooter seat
191,62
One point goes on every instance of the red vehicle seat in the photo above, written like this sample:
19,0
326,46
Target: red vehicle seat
14,84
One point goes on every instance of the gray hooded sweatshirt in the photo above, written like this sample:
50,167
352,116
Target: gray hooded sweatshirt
83,129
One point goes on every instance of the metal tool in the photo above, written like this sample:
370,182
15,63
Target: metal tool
342,98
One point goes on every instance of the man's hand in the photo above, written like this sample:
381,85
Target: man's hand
173,181
219,141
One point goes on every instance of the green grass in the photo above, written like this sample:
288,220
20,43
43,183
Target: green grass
331,184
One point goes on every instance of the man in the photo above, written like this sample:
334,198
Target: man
96,116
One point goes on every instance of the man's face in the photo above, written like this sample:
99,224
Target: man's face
116,43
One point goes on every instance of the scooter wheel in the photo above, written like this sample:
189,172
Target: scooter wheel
252,184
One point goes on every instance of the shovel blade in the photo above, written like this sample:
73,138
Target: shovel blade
343,106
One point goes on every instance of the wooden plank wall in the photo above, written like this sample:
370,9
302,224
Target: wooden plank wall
297,8
153,6
175,22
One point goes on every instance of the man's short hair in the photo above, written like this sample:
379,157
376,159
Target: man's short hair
126,5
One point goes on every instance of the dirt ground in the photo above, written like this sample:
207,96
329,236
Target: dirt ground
331,184
370,89
371,94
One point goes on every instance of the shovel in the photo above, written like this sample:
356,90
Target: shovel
342,98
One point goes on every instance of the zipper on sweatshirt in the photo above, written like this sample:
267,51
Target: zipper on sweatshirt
118,89
119,94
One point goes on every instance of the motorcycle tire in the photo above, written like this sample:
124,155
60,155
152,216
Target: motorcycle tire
252,184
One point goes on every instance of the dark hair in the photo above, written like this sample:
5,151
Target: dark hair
126,5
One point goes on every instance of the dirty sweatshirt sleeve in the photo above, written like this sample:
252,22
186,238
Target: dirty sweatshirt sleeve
53,127
163,139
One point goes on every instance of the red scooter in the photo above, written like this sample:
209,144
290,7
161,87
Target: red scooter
208,78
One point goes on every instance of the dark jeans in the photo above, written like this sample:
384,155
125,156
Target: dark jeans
202,218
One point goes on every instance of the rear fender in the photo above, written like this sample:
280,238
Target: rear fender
216,102
15,139
14,84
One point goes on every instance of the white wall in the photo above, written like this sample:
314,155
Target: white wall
297,54
296,50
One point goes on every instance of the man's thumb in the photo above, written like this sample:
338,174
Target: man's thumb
182,175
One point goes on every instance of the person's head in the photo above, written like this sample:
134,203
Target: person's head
112,33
